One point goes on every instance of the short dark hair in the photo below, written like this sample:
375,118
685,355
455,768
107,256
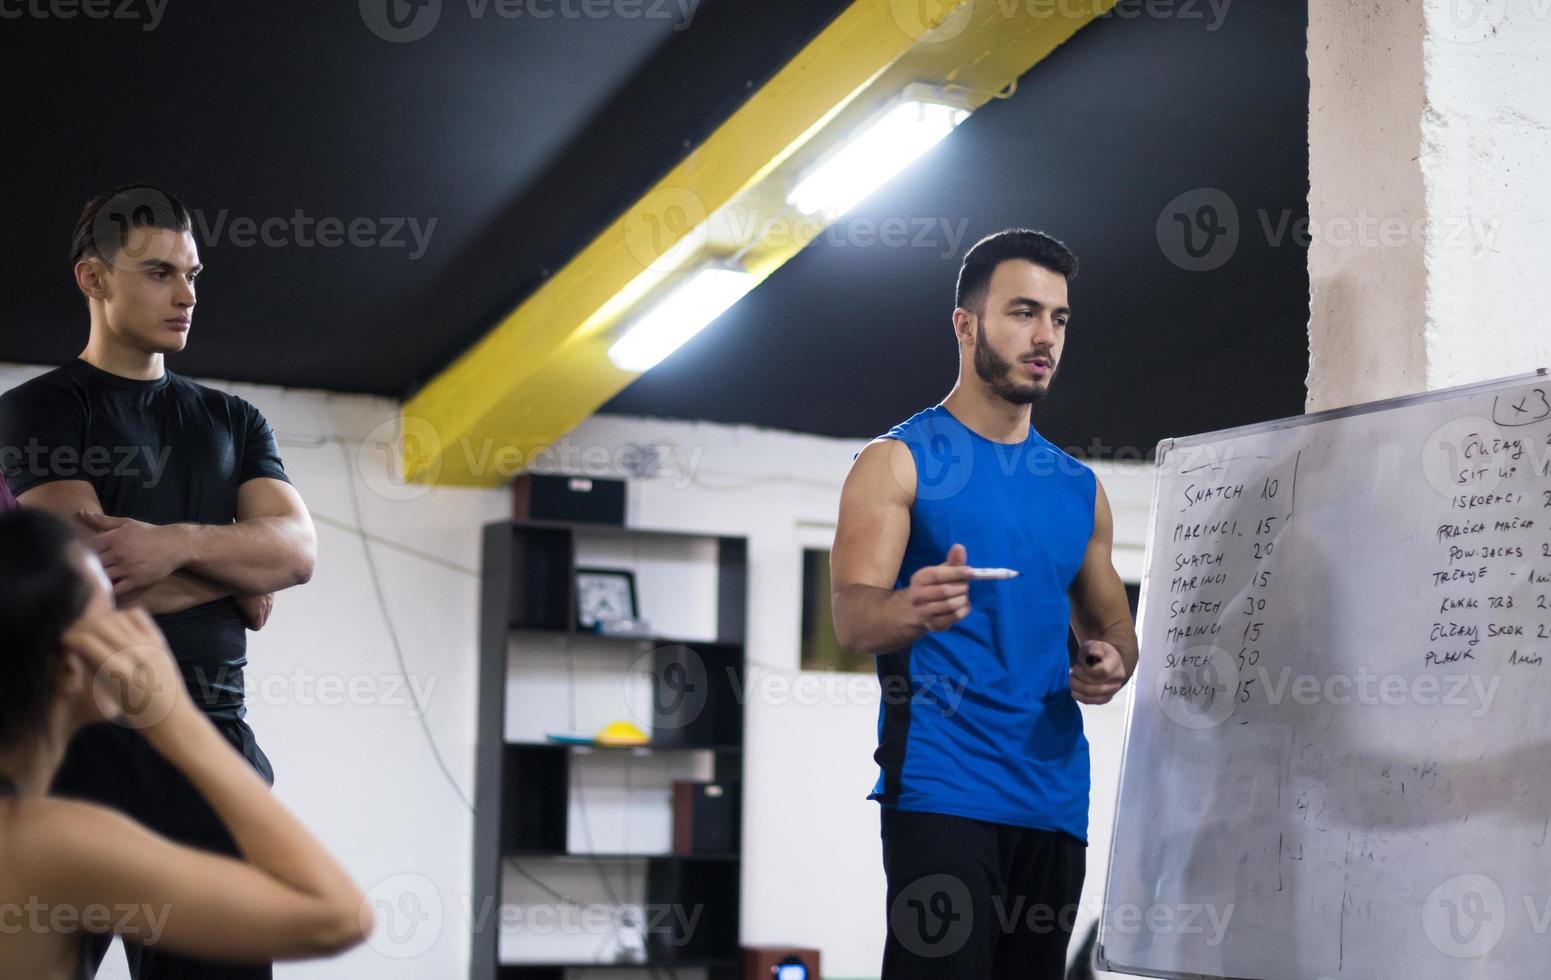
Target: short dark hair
1015,243
105,222
44,594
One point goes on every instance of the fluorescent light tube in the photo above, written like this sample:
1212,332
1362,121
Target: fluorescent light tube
871,158
682,313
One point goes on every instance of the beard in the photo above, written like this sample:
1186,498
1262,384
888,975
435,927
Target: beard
997,372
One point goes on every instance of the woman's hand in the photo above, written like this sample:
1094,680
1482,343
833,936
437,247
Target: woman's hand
134,677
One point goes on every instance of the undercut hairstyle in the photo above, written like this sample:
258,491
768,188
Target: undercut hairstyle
981,261
106,221
44,594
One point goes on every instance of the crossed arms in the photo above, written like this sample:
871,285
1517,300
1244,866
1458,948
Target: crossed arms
171,567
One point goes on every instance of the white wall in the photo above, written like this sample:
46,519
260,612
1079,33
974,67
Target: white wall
361,773
1430,214
1367,301
1485,157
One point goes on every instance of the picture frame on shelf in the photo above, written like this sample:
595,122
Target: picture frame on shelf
605,595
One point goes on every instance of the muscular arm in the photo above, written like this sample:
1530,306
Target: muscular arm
1101,615
870,537
871,615
69,499
270,547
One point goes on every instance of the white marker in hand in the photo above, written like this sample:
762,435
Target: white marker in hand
982,573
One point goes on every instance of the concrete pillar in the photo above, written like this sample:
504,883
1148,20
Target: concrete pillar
1430,194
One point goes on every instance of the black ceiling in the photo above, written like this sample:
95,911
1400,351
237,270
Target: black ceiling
523,137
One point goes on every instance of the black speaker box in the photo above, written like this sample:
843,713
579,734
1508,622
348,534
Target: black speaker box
545,497
705,817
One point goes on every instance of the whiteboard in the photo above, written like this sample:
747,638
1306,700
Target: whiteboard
1338,751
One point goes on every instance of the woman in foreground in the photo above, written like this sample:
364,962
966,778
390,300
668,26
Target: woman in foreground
70,869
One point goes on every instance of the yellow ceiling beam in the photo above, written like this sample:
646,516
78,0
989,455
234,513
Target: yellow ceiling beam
544,368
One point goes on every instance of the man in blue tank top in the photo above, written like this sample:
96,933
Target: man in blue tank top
983,766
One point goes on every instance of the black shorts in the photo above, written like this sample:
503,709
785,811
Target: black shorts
974,900
116,767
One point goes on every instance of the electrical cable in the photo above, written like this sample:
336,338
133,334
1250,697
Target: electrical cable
398,649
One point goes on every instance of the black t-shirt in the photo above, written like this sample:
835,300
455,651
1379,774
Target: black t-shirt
167,451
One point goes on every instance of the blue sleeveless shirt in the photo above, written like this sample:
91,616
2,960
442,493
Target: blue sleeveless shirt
978,720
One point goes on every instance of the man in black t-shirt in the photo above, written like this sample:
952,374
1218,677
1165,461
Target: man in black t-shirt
180,490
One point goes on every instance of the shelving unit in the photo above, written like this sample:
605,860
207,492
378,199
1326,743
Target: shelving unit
538,673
